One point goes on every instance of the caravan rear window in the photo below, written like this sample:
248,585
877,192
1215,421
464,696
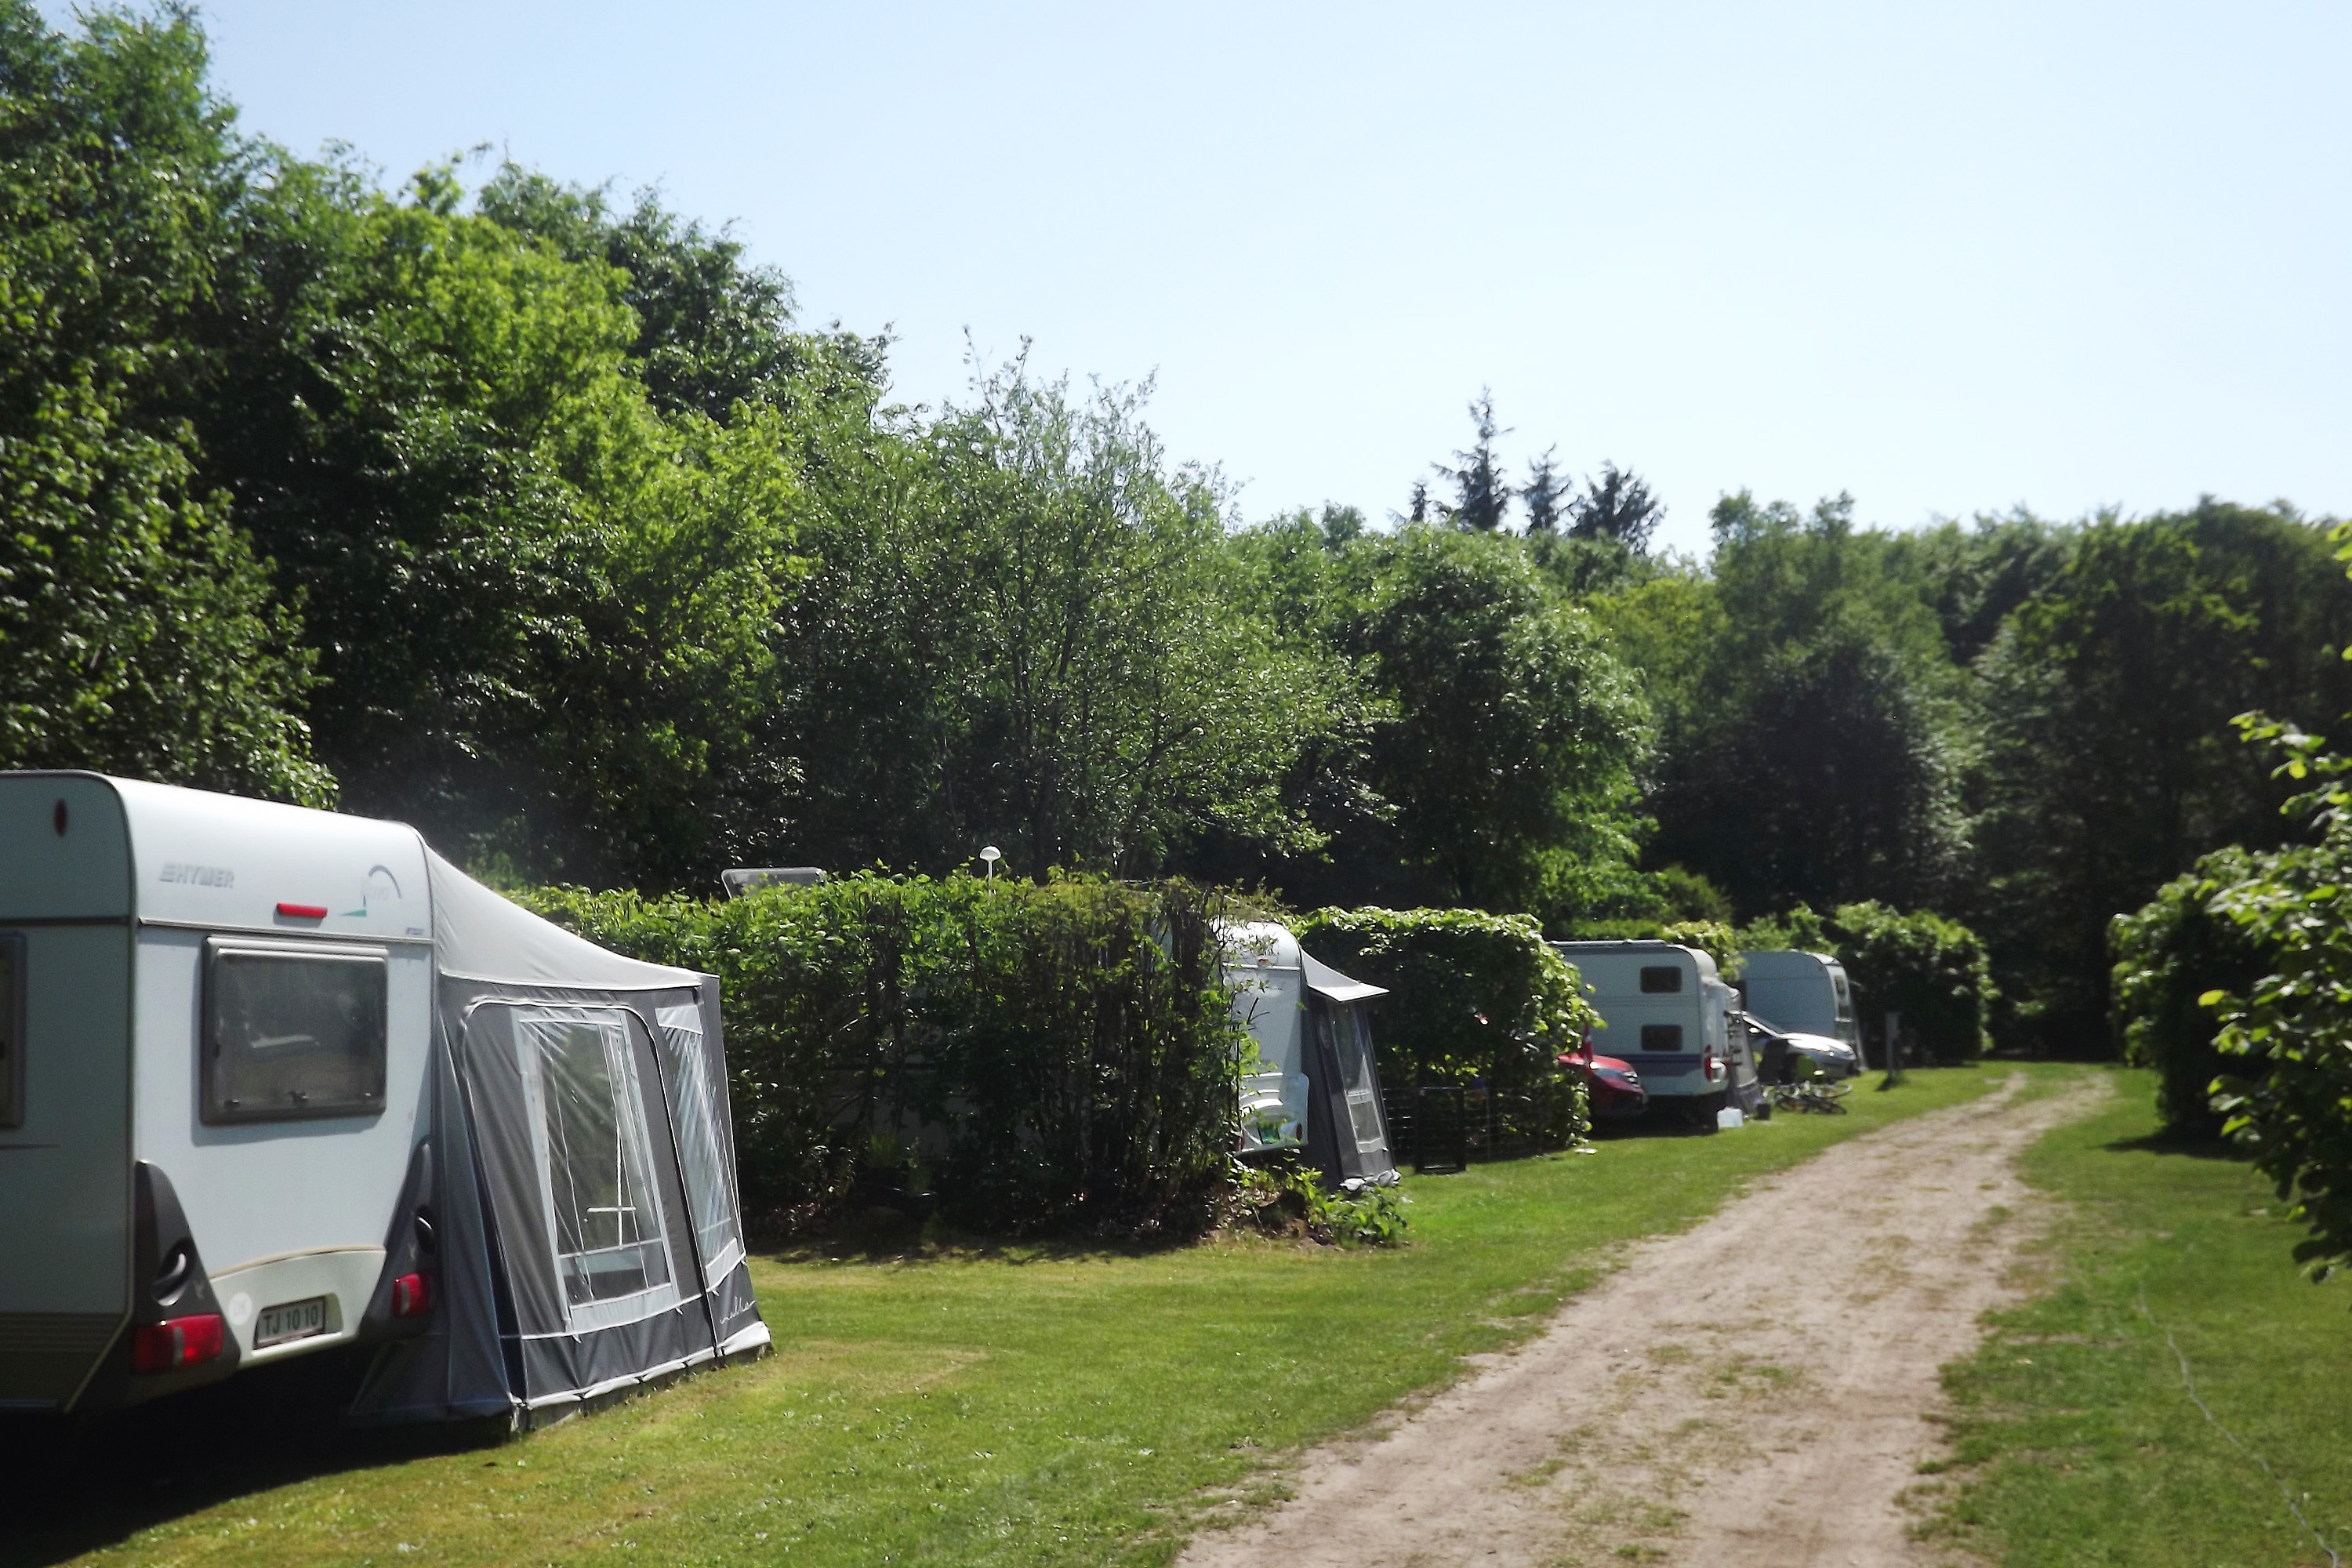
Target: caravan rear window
1659,979
1661,1036
293,1032
12,1030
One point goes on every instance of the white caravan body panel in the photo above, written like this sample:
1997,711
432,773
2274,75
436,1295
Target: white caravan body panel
1805,993
1264,972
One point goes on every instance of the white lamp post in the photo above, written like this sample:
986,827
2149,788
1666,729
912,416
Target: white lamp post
991,854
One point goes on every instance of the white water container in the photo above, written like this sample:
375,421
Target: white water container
1730,1118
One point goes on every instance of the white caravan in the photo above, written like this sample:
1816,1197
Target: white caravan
274,1081
1314,1086
1802,993
1667,1013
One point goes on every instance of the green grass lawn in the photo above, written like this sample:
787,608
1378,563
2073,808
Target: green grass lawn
960,1406
2078,1443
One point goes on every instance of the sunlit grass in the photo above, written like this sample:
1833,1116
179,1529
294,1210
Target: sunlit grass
962,1406
2079,1444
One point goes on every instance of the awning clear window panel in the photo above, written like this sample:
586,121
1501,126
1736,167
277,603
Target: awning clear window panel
594,1156
696,1097
1341,1027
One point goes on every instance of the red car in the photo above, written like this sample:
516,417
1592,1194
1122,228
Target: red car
1613,1085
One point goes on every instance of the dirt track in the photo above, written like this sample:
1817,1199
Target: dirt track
1754,1391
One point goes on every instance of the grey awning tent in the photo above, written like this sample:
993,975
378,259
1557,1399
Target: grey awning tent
584,1219
1314,1085
1346,1130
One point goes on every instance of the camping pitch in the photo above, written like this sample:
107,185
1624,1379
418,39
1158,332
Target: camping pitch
273,1080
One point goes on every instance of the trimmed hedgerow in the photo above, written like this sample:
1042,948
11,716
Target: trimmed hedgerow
1473,997
1019,1056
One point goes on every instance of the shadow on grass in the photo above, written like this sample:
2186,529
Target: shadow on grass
2191,1145
70,1488
1658,1122
897,1238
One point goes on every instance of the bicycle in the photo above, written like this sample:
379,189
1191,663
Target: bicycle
1816,1094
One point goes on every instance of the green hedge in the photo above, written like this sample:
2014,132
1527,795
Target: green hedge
1471,996
1933,971
1028,1055
1713,938
2168,955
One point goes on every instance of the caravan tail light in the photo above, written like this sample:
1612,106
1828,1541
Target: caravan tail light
411,1296
1707,1062
302,911
176,1342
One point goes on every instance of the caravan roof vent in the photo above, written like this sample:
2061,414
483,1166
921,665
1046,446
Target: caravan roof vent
745,879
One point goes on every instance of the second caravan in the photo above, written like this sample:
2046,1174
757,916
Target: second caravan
1666,1010
1803,992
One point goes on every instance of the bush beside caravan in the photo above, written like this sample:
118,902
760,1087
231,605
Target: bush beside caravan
1314,1086
283,1079
1667,1015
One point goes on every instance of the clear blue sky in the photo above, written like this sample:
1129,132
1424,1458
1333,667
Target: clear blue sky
1951,258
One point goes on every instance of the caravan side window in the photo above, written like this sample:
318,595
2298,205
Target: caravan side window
12,1030
293,1032
1661,979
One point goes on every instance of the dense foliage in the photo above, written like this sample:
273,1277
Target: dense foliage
138,631
2169,955
1020,1054
2289,1095
2235,983
1473,997
537,517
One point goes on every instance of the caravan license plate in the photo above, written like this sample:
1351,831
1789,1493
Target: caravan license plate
293,1321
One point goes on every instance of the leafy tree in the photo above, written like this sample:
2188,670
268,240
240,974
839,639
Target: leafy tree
712,330
1977,575
413,444
1018,625
1108,664
1808,720
138,633
2109,764
1512,725
541,607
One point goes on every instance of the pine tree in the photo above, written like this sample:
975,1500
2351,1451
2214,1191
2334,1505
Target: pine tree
1482,494
1548,497
1617,506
